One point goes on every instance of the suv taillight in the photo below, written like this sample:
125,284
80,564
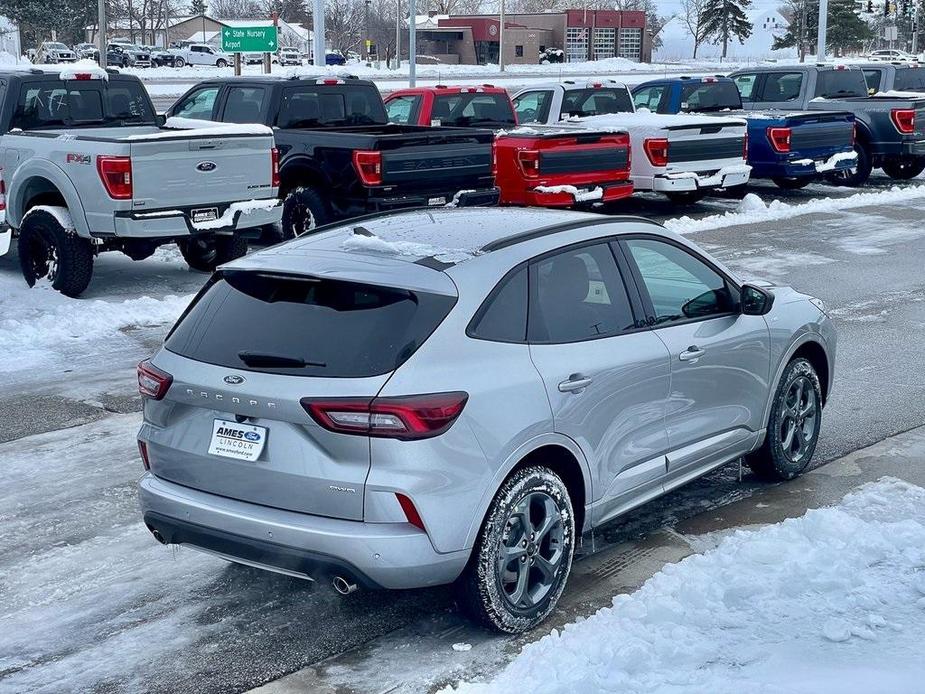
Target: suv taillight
407,418
116,175
152,382
274,168
529,162
780,139
368,166
903,119
656,150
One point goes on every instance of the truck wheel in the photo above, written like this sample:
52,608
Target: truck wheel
794,183
523,554
303,210
221,62
179,62
205,253
904,169
271,234
857,175
686,197
48,250
793,427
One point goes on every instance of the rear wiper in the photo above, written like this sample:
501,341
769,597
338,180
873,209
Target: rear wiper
262,360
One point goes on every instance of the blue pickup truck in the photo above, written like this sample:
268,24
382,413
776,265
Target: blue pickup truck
792,148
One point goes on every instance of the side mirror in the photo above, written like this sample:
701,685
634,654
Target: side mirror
160,119
755,301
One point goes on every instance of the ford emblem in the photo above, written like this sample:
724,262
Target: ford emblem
206,166
234,380
252,436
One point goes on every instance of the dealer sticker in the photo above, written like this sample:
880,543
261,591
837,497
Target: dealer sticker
238,441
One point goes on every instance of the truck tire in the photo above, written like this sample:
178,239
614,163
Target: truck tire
523,554
205,253
221,62
271,234
303,210
858,175
179,62
904,169
793,426
794,183
686,197
48,250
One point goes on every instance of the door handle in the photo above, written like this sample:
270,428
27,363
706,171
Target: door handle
692,353
574,384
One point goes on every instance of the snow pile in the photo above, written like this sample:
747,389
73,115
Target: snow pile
410,249
753,210
833,601
69,71
60,214
175,127
644,123
579,195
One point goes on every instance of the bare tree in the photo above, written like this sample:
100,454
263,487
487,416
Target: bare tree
692,14
655,22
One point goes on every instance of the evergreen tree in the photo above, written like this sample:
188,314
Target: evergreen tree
846,30
197,7
725,20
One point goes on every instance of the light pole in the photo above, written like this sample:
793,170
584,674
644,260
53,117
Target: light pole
501,40
412,42
398,34
101,33
366,38
318,28
823,26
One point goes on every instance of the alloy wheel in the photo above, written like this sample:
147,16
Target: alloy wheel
798,425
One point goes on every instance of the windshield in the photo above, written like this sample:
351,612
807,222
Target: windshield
703,97
595,102
910,79
840,84
58,103
56,46
315,105
463,110
305,326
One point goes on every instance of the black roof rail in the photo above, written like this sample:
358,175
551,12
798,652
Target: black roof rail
514,239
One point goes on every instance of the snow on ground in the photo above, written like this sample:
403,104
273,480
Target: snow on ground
832,601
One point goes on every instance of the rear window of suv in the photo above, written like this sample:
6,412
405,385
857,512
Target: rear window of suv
305,326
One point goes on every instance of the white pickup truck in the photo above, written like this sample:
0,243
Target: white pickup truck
87,166
683,156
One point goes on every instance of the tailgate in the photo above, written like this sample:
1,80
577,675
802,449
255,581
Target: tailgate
181,171
444,154
563,154
705,147
821,132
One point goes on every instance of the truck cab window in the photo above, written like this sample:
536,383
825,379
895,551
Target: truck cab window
198,105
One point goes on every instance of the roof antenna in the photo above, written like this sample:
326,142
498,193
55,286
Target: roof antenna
362,231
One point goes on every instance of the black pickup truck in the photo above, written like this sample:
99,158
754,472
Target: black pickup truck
339,155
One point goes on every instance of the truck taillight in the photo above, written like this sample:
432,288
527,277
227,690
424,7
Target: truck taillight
406,418
274,168
656,149
2,192
494,159
153,382
116,175
903,119
368,166
529,162
745,147
780,139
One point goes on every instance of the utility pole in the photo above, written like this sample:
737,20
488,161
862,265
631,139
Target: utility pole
318,28
501,39
823,27
366,31
915,29
398,34
101,33
412,42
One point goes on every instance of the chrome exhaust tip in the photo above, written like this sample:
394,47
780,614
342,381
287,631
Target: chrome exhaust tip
343,586
157,535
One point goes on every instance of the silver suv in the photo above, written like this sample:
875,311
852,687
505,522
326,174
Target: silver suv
431,396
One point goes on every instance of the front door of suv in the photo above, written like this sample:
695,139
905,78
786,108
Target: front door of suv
720,359
605,376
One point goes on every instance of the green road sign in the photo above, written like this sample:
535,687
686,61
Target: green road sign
249,40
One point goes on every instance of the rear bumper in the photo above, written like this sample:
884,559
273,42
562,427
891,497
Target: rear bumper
464,198
805,166
726,177
172,223
6,238
609,192
376,555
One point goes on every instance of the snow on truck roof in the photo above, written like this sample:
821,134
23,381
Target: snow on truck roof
82,69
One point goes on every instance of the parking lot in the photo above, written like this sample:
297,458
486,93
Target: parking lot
91,602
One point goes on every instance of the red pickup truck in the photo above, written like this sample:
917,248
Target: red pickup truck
539,165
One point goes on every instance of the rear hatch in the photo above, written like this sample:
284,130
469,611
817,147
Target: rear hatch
182,168
253,352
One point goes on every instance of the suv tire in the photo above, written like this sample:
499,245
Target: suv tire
304,210
47,249
523,554
205,253
794,424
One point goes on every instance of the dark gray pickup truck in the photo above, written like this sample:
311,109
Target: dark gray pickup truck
890,129
339,155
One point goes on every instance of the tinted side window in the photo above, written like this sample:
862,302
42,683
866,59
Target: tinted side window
704,97
595,102
577,295
532,107
680,285
873,79
781,86
198,104
244,105
746,86
910,79
403,109
503,317
650,97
